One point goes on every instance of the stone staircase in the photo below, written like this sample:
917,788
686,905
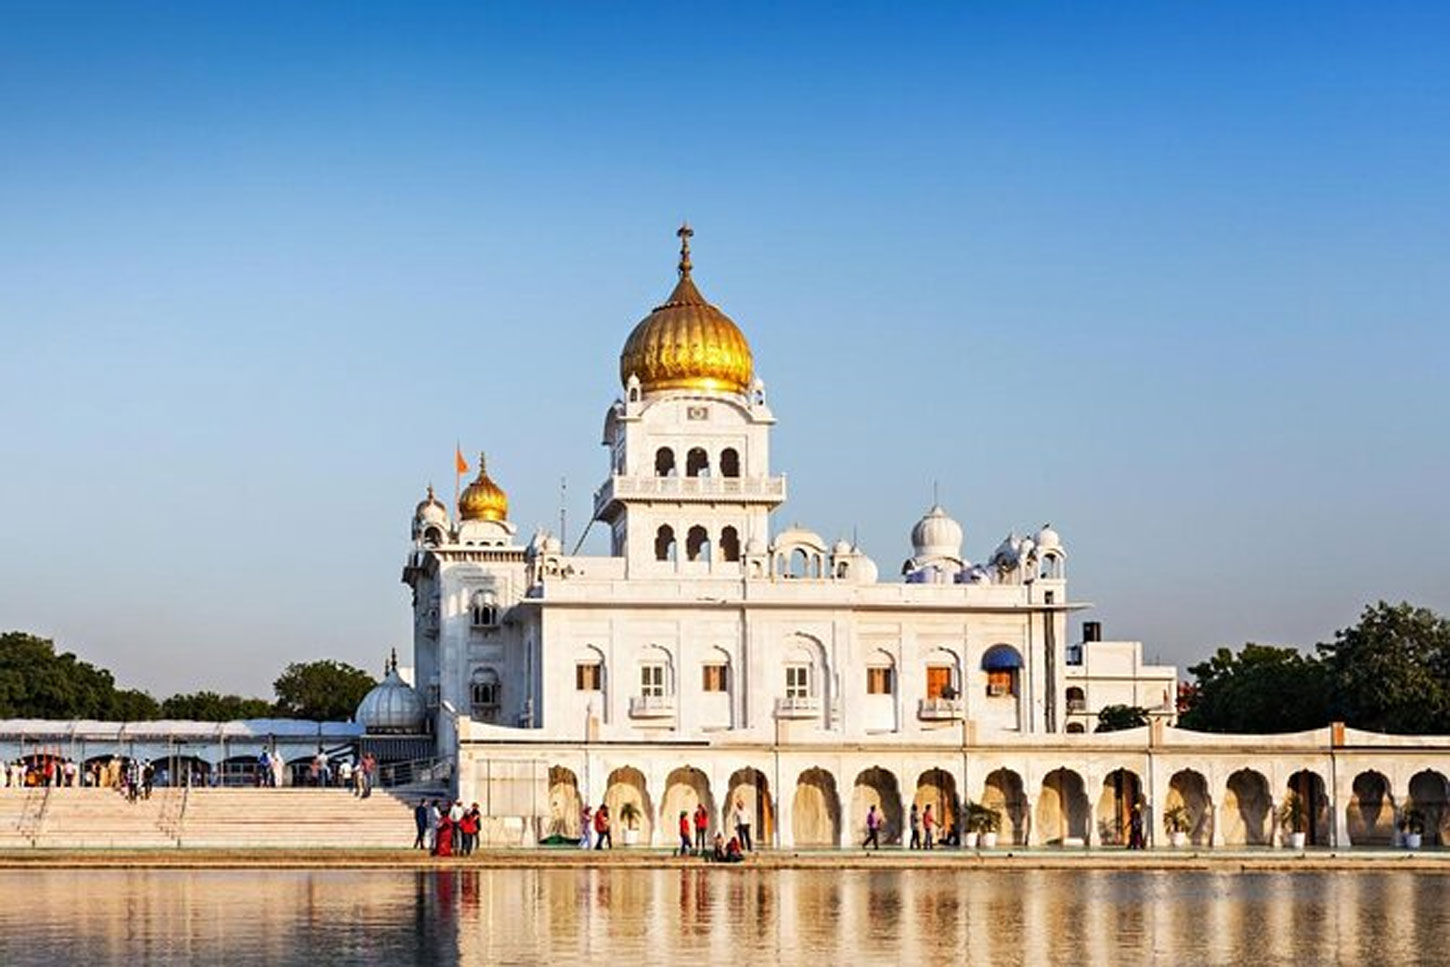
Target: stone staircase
208,819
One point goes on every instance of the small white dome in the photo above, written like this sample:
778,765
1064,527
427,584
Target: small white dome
391,707
1048,539
842,549
795,536
431,510
937,535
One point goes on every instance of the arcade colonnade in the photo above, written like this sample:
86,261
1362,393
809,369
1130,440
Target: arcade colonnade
1069,791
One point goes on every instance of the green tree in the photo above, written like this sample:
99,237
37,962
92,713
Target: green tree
1261,689
1391,671
133,705
36,682
1115,718
212,707
324,691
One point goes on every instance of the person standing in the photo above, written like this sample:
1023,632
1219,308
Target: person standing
586,826
702,828
420,819
915,820
685,838
469,827
601,828
873,829
928,827
742,823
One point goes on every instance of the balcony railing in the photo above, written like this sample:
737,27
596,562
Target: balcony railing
652,706
797,707
940,709
753,489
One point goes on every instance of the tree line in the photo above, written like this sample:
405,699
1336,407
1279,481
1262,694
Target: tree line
38,682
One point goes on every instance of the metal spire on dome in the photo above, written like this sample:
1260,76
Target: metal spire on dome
684,233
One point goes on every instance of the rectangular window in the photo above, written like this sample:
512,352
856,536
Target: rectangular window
1001,682
797,681
652,680
939,682
716,678
879,681
589,677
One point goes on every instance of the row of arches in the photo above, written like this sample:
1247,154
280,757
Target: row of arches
1064,812
699,545
697,463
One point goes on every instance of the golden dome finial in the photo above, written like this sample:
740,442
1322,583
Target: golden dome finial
684,234
686,343
483,499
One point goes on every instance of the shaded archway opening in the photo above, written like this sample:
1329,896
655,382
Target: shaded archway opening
1309,787
627,785
664,462
665,543
729,462
1122,790
937,788
751,789
1431,796
697,544
1004,792
1247,810
815,812
564,803
729,544
1369,818
1063,811
1189,789
686,789
877,787
697,463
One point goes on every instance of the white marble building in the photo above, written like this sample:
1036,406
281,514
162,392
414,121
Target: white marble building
704,626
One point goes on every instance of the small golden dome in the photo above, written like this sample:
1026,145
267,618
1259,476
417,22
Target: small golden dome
483,499
686,343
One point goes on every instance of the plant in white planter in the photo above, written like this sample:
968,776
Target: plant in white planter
984,821
1294,820
1412,826
1176,823
629,815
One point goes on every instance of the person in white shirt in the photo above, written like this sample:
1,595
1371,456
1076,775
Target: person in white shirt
742,823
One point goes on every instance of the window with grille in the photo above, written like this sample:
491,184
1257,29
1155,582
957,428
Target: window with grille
485,609
589,677
879,681
716,678
797,681
652,680
1003,682
939,682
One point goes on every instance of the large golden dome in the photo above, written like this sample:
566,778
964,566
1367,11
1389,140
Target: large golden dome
483,499
686,343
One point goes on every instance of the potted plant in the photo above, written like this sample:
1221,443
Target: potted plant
629,815
1175,821
1412,826
1294,820
970,834
984,821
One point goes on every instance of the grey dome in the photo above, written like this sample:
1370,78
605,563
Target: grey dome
391,707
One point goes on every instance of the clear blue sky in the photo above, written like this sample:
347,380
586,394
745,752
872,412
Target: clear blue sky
1173,277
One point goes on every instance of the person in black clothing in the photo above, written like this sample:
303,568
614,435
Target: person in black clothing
420,818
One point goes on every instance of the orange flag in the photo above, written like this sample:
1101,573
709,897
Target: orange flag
459,464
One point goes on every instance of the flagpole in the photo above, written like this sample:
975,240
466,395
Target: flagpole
457,474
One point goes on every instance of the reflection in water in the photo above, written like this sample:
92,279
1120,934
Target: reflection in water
700,914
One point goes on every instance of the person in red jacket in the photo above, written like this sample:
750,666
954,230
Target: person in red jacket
684,833
702,829
601,828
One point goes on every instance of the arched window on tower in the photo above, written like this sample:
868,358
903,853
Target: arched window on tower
484,606
432,537
697,463
730,544
729,462
486,693
665,543
664,462
697,544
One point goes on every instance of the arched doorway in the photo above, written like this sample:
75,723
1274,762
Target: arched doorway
1189,789
685,789
1428,793
565,803
750,788
937,788
877,787
1309,788
1003,791
627,796
1063,812
1122,790
1369,818
815,811
1247,810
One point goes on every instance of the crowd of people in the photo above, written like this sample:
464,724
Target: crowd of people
596,832
133,778
446,829
320,772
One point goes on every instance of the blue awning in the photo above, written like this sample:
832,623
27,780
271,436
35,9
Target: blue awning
1001,658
